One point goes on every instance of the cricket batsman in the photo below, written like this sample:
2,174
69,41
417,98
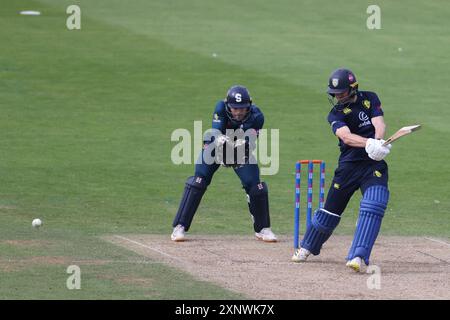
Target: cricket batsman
236,113
356,118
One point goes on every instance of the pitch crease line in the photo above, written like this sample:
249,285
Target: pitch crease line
438,241
147,247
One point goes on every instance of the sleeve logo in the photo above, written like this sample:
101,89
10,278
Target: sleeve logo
216,118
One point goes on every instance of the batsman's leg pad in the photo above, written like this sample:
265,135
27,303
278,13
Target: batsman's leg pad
193,192
322,226
371,213
258,204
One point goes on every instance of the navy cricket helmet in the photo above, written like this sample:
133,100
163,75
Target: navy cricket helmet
238,97
340,81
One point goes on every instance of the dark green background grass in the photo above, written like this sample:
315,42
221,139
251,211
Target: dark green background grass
87,116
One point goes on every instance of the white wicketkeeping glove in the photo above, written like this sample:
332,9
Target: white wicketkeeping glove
221,140
239,142
376,150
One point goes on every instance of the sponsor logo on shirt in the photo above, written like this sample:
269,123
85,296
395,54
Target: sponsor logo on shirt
347,110
364,118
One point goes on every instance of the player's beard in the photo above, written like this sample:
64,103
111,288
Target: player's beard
239,117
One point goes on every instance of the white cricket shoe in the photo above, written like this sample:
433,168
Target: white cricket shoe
301,255
355,264
266,235
178,233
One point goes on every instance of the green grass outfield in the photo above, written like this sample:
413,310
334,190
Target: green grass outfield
86,120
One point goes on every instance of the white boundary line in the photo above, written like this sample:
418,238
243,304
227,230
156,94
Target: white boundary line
147,247
438,241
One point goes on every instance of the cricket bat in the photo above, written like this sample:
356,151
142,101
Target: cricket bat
402,132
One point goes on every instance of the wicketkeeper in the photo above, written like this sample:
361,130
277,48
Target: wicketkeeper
235,127
357,121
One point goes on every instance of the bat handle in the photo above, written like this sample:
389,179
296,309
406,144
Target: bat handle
386,142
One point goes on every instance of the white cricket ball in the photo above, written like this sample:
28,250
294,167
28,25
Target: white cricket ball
36,223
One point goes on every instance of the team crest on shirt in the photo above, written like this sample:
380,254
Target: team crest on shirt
347,110
366,104
335,82
337,186
377,174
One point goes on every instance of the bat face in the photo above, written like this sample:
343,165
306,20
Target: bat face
411,128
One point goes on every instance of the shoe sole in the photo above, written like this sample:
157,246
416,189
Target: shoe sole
297,259
354,266
261,239
178,239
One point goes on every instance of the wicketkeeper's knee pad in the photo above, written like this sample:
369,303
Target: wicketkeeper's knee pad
193,192
371,213
258,203
322,226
